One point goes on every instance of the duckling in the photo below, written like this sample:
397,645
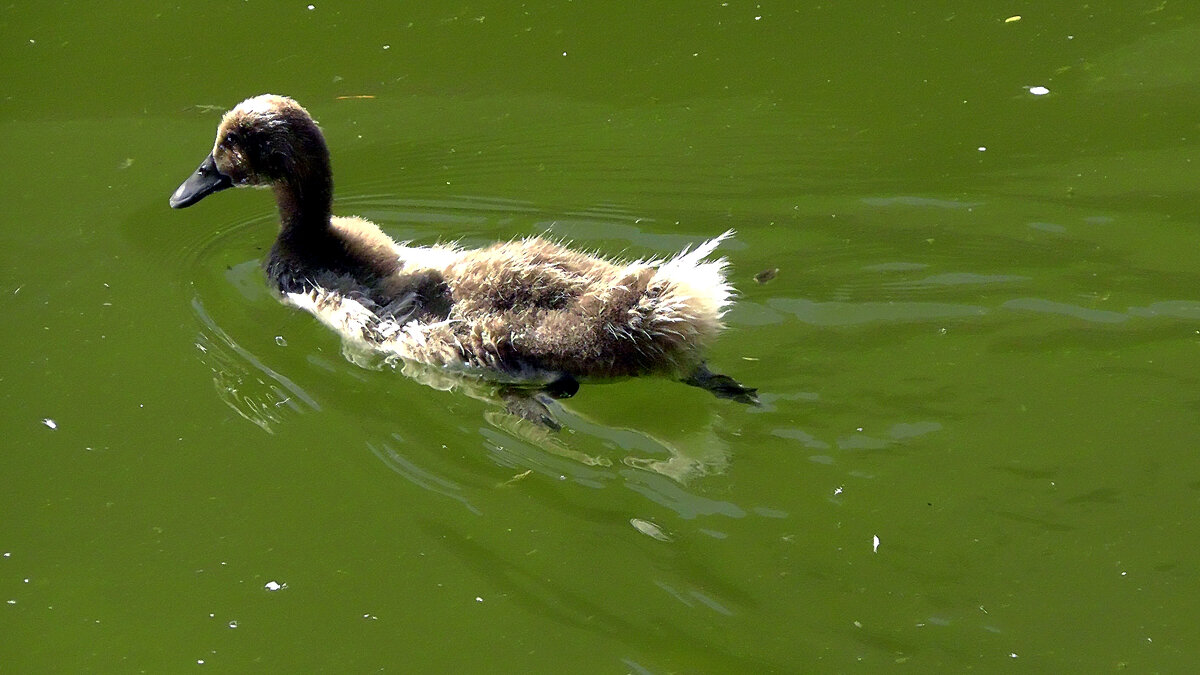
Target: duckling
528,313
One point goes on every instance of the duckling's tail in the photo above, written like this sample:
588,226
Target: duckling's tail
692,295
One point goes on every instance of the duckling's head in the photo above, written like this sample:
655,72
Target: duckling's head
266,140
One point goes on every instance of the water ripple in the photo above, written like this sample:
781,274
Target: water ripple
250,388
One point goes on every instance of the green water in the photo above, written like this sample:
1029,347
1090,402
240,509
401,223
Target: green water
980,347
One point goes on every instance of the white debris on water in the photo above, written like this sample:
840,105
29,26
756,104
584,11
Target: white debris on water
649,529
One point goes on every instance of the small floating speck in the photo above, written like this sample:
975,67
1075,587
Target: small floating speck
233,624
1013,19
280,340
766,275
875,544
1039,91
478,599
311,7
50,423
274,586
982,148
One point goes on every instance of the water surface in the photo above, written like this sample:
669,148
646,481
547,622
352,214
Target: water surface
978,440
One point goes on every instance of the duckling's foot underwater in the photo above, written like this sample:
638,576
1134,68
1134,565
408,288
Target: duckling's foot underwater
532,406
721,386
530,313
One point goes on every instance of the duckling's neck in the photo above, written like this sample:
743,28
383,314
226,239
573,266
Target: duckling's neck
307,242
305,201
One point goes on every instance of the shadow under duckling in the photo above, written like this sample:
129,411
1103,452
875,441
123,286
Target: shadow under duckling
530,314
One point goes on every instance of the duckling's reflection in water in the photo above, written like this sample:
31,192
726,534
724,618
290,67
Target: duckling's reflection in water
537,417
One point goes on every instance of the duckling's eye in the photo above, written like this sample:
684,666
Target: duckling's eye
232,138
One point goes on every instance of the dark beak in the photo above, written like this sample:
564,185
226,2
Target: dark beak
201,184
